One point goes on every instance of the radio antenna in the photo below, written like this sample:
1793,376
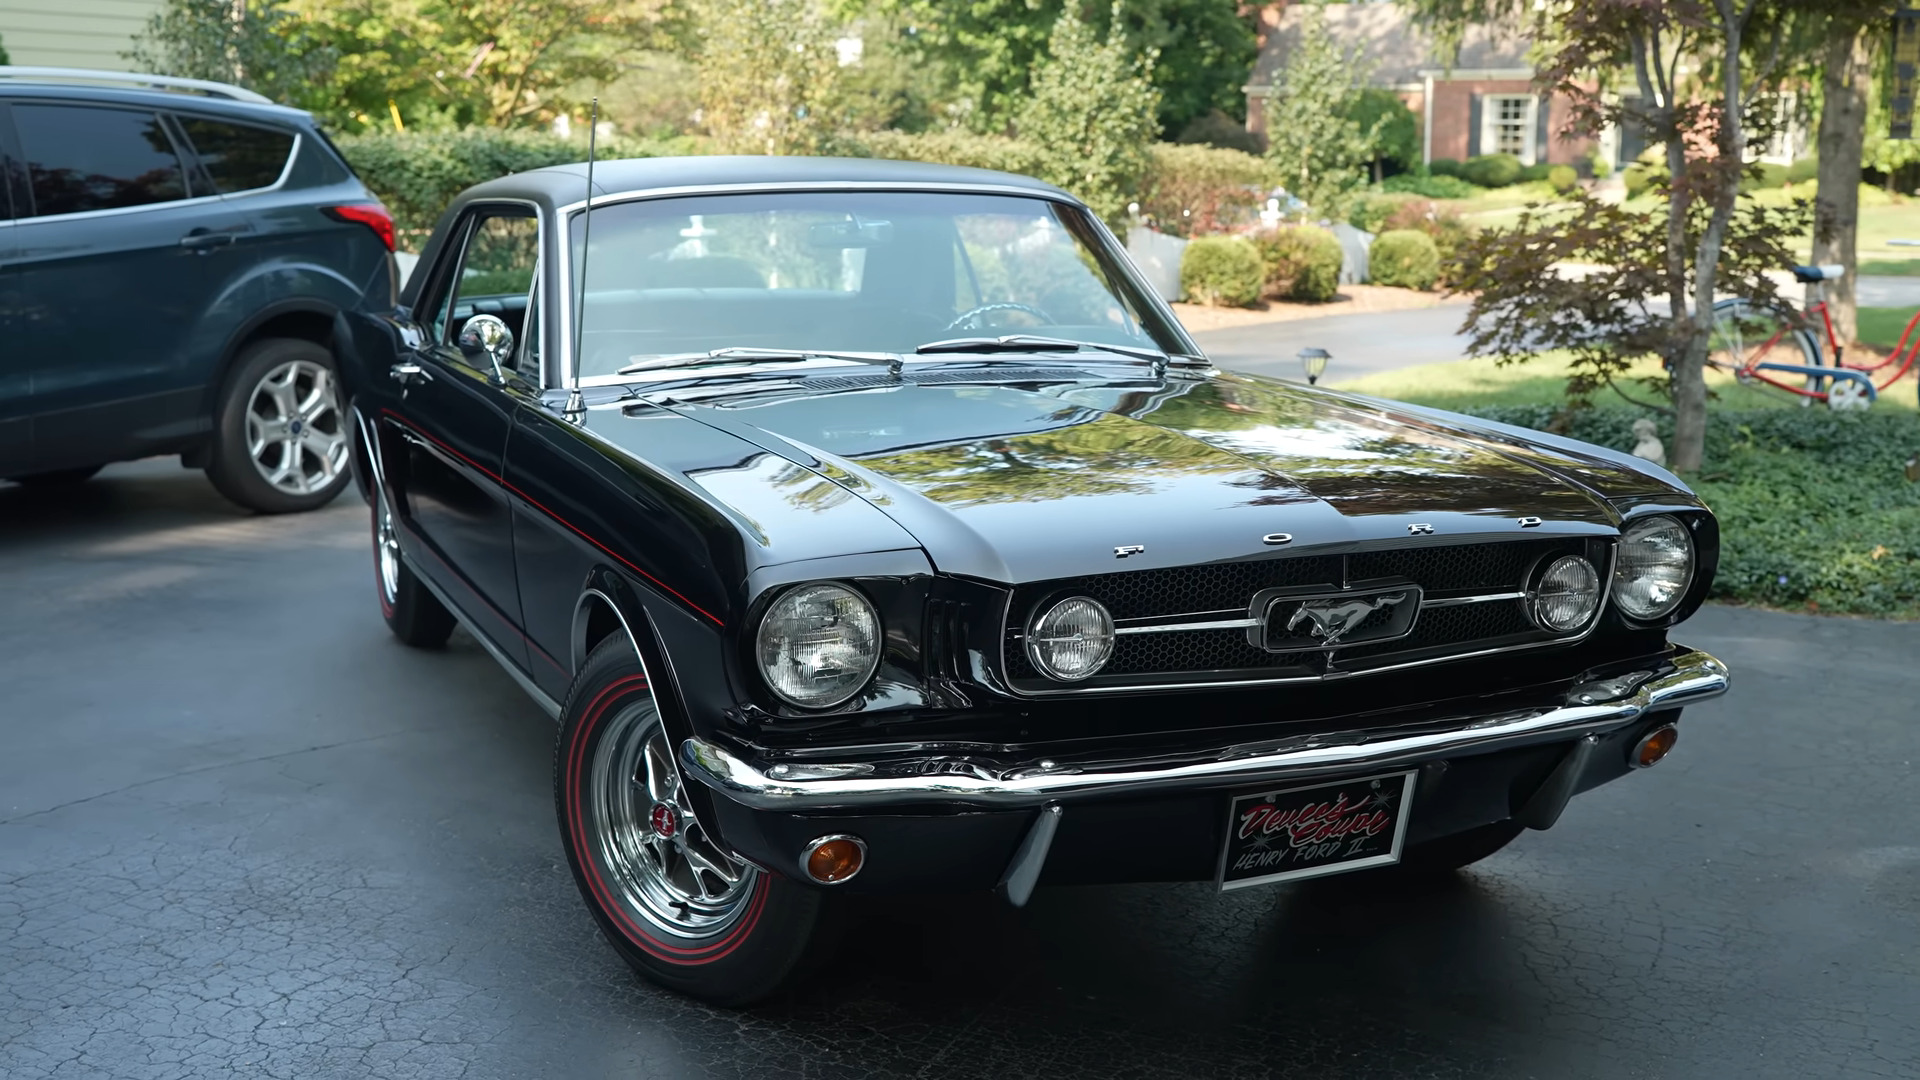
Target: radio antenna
576,405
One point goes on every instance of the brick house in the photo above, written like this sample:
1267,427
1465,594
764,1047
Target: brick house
1484,102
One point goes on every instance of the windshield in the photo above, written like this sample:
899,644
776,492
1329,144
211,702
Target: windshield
847,272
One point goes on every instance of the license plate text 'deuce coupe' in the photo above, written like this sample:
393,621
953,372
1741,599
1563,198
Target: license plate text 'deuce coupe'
869,526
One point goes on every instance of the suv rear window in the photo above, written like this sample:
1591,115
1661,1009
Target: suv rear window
239,157
86,158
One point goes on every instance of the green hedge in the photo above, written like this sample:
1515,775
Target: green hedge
1406,258
950,148
1222,271
1302,262
1192,190
418,173
1437,186
1563,178
1815,510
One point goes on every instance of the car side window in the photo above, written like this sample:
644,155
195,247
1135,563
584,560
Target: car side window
238,157
82,158
494,275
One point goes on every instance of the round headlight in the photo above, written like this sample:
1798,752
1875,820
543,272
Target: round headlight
1566,596
1654,567
818,645
1072,639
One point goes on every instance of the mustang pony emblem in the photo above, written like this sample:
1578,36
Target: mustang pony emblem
1332,619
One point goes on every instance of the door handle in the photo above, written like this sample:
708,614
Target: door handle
204,240
408,373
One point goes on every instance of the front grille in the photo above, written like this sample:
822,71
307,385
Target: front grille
1225,591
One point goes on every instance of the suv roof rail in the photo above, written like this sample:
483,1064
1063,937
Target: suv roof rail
157,82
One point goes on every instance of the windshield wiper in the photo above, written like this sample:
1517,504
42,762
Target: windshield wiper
749,354
1035,343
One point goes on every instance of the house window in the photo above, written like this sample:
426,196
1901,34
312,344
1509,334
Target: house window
1507,125
1783,135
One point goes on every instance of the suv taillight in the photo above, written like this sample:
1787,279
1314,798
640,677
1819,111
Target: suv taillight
372,215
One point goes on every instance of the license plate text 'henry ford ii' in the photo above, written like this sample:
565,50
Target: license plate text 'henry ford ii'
1313,831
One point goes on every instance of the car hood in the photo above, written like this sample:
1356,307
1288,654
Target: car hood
1048,478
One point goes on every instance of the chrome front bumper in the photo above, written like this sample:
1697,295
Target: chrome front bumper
1596,708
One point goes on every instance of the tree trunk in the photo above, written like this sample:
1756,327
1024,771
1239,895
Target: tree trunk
1836,205
1690,356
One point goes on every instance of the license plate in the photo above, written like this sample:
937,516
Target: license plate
1306,832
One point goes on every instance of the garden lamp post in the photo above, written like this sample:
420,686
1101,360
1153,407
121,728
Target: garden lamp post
1314,362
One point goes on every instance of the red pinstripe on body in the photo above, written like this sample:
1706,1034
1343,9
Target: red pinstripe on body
536,504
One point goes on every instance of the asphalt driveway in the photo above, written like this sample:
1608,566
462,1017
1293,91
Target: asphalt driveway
243,832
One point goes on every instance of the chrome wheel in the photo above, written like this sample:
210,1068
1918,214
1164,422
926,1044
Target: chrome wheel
654,852
386,546
296,435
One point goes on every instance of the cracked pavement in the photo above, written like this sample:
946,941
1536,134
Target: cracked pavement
244,832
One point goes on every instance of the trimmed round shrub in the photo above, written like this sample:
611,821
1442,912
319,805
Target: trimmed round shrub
1598,165
1222,271
1492,170
1442,226
1563,178
1444,167
1302,263
1535,173
1406,258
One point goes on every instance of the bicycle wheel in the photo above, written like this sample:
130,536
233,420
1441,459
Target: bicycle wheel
1746,334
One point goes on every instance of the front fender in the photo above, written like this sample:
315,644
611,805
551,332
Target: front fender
648,636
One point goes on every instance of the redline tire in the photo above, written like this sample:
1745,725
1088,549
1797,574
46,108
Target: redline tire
730,950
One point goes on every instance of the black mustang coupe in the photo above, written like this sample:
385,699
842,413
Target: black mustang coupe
870,526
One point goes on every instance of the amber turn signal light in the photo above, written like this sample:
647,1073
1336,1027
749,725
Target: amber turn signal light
831,860
1653,746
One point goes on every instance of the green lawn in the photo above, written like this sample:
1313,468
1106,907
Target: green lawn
1815,508
1466,385
1890,267
1881,220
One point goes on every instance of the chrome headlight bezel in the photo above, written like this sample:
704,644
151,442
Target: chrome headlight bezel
775,636
1553,574
1627,571
1085,607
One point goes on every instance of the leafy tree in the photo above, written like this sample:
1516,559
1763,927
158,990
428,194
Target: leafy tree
897,85
765,92
424,63
1092,110
1846,84
993,47
497,62
263,46
1396,131
1703,244
1313,138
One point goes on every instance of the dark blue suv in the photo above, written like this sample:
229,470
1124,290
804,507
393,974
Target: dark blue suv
174,259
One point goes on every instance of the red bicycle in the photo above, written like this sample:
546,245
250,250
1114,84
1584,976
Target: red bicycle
1774,344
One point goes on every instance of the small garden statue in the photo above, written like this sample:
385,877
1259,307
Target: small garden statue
1647,444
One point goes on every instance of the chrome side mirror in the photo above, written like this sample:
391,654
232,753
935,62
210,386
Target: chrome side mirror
487,334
